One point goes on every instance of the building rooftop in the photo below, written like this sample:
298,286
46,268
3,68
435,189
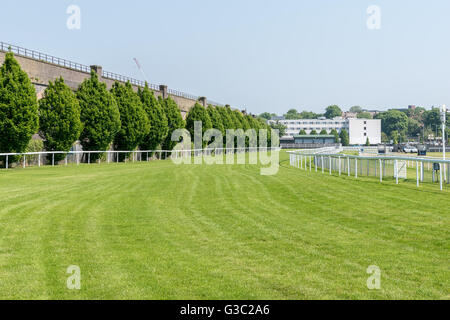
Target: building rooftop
314,136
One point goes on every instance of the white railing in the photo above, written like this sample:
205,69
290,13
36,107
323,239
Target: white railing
382,167
28,159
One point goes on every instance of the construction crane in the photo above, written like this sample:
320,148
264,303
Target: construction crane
141,69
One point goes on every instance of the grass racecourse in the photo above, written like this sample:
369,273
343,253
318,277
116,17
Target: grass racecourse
160,231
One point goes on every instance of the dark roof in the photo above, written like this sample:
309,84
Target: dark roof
315,136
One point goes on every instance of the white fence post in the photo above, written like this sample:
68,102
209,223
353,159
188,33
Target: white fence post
417,173
396,170
330,163
339,166
348,166
381,170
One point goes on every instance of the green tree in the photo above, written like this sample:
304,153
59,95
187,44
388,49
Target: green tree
393,120
413,128
216,119
242,120
198,113
267,115
395,136
344,137
157,118
336,135
333,112
313,132
174,120
356,109
19,118
302,133
323,132
135,124
292,114
364,115
367,142
432,118
99,114
308,115
278,126
59,120
227,121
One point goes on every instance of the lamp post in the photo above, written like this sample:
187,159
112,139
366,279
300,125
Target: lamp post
443,120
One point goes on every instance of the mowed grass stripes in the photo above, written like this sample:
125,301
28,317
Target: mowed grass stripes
160,231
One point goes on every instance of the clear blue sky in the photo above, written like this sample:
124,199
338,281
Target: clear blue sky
262,55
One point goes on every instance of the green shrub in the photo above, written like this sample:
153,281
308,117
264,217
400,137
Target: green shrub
344,137
216,119
134,121
158,120
99,114
19,117
174,120
59,121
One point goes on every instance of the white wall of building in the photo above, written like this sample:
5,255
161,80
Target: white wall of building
295,126
359,129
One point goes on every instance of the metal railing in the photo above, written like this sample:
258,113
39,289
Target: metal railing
182,94
118,77
30,159
307,145
36,55
400,168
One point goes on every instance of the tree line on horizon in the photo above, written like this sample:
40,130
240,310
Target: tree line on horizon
100,119
397,125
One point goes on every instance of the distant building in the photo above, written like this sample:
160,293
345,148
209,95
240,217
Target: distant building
350,115
308,141
314,139
358,129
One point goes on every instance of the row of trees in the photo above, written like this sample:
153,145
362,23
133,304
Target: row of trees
397,125
99,118
224,118
401,125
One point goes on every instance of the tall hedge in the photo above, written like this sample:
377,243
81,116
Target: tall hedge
174,120
227,121
99,114
216,119
158,120
344,137
198,113
19,118
59,120
134,121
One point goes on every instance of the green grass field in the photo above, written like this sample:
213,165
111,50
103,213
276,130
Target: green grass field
160,231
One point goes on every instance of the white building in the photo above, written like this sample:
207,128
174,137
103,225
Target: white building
358,129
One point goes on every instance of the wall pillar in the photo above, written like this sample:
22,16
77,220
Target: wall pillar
99,71
163,89
203,101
